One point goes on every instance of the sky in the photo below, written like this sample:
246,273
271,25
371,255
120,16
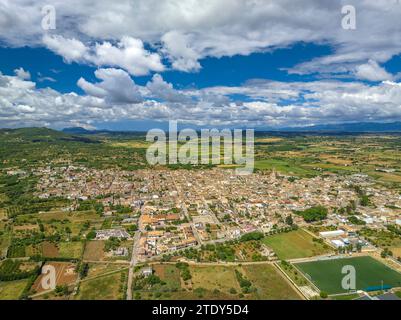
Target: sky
136,64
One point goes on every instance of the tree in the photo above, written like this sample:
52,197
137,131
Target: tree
365,201
83,270
61,290
289,220
355,220
323,295
386,253
317,213
252,236
112,244
91,235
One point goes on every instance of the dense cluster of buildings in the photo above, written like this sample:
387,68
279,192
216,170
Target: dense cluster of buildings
177,209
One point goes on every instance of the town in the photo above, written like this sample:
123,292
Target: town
286,231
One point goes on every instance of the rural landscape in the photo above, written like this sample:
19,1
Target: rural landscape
199,158
115,227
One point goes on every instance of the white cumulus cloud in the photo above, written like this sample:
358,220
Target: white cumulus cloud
129,54
372,71
138,34
116,86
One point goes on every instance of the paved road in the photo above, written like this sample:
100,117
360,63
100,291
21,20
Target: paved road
122,262
134,261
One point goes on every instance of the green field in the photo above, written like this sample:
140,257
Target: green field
71,250
269,283
294,245
327,275
287,167
219,282
11,290
108,287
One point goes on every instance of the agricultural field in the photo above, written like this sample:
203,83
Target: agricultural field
94,251
65,250
170,274
269,283
231,251
50,250
133,144
382,238
210,278
4,242
109,287
99,269
290,167
250,251
3,213
67,225
316,155
12,290
72,250
295,244
327,274
396,251
262,281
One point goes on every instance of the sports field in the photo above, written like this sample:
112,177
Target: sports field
295,244
327,274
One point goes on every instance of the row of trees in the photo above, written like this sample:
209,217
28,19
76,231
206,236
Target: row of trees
10,270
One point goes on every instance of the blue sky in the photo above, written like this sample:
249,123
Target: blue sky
214,63
224,71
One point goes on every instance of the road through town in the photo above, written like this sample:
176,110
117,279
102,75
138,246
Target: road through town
134,261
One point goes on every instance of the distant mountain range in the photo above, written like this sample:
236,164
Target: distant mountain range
82,135
342,127
38,135
80,130
350,127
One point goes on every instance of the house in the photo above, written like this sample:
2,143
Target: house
120,252
147,271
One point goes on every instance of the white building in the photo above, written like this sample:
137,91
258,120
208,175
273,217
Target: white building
332,234
147,271
338,243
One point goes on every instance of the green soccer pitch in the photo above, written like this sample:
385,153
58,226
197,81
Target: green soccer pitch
327,274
